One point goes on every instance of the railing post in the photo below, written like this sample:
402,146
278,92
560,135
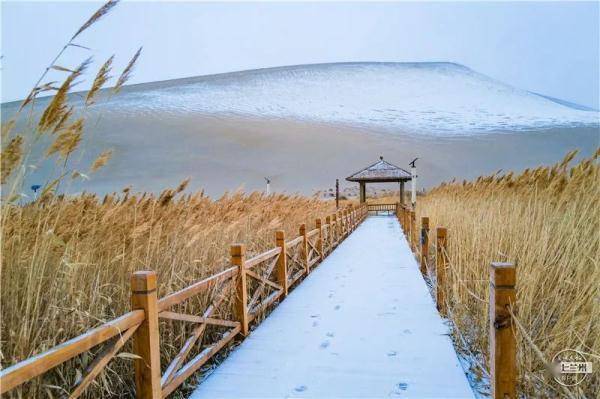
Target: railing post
319,226
304,247
340,226
348,225
334,233
282,277
146,339
410,230
327,242
399,216
413,231
349,218
503,348
424,244
440,268
346,222
238,255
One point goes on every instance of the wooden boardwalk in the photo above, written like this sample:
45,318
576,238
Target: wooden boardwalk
361,325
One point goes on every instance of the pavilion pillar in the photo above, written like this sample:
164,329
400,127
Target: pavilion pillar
401,192
362,192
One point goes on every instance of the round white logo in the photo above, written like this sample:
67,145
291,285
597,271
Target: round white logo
570,367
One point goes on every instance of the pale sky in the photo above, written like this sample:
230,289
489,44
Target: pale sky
550,48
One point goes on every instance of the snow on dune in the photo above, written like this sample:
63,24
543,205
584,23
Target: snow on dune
417,98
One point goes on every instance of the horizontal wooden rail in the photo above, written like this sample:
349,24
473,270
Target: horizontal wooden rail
270,254
294,242
382,207
23,371
142,324
312,233
388,208
197,319
194,289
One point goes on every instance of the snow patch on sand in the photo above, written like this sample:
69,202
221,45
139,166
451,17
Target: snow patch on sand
417,98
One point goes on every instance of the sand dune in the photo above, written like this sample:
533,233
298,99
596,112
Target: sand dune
306,126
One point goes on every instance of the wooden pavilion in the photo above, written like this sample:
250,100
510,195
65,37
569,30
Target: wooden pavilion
380,172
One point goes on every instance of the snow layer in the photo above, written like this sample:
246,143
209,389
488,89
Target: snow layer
362,324
418,98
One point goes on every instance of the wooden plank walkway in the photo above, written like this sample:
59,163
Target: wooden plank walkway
361,325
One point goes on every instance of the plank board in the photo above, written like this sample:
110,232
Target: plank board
362,324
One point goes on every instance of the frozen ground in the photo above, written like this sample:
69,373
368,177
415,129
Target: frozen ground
431,98
361,325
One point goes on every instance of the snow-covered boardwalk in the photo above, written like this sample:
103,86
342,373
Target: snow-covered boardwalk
361,325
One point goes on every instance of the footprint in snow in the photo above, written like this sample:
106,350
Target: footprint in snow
403,386
330,334
301,388
324,344
337,307
315,323
399,389
392,353
407,331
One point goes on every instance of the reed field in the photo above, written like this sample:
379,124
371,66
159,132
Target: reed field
67,265
546,221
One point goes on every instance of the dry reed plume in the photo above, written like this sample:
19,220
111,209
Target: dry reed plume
67,264
56,131
546,220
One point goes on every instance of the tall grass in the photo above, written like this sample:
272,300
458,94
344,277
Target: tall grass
67,264
545,220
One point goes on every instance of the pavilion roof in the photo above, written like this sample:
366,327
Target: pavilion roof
380,172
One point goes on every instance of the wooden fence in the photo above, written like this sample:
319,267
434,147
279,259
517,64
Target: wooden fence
388,209
256,284
502,340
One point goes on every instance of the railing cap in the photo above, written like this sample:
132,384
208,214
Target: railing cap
143,280
503,274
237,249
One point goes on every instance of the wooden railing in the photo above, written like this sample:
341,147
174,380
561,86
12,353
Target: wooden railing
502,351
389,209
252,284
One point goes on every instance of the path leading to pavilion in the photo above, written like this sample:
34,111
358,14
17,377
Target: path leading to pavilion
360,325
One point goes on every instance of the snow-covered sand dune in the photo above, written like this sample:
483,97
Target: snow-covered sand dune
415,98
305,126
